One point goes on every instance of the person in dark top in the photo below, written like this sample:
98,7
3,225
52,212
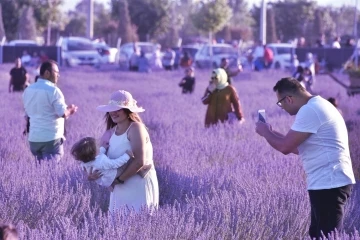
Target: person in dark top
188,82
18,77
224,64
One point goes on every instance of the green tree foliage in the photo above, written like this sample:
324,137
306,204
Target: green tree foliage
292,18
125,30
11,13
271,34
241,23
211,16
151,17
76,26
27,24
2,29
344,19
42,11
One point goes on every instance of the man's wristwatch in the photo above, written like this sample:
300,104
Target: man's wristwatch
120,181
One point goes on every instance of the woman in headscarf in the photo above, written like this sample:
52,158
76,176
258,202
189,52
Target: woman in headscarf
222,100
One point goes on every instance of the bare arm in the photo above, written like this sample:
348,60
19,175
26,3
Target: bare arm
295,150
138,136
284,144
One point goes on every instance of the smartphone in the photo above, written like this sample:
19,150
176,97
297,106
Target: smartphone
261,115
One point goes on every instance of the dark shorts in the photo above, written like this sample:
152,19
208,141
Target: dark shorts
327,210
52,150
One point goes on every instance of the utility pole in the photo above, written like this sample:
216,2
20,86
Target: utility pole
263,22
90,19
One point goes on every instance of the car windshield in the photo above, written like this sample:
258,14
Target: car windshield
80,45
223,50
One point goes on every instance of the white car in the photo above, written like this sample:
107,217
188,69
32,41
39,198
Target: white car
26,43
78,51
282,55
108,54
127,50
203,58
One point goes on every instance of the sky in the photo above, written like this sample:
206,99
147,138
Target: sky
70,4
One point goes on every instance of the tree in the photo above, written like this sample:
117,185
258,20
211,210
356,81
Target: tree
125,29
2,29
212,16
241,23
76,26
11,12
27,24
151,17
293,18
271,34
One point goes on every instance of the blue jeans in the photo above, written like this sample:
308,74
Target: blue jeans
52,150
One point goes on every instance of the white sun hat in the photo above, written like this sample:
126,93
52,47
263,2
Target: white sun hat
119,100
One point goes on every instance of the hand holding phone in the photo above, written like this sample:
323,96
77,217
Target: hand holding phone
261,116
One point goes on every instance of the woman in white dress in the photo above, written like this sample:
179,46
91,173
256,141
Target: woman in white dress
125,131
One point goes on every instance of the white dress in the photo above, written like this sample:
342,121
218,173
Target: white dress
136,192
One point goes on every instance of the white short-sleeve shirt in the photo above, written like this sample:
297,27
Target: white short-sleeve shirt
325,154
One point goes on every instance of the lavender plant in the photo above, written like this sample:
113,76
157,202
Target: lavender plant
224,182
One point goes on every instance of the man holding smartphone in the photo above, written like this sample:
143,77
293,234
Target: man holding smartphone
320,137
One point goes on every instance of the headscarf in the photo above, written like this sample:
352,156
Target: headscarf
222,78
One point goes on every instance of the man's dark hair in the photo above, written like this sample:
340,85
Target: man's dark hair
47,65
289,85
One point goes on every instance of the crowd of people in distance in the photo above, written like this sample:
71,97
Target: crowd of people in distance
168,60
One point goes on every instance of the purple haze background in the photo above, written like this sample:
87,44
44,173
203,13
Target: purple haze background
224,182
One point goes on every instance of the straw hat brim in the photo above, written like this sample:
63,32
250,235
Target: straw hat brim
113,108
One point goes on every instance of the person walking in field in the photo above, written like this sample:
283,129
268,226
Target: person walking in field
188,82
19,78
45,105
222,100
320,137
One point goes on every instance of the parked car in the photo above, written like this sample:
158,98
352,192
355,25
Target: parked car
24,43
203,59
78,51
127,49
107,54
282,55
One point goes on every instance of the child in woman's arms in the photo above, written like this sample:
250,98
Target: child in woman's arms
85,150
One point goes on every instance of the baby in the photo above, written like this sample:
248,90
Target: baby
85,150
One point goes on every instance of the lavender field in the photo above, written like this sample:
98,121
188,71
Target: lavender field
218,183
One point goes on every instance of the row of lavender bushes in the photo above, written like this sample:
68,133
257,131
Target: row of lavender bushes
219,183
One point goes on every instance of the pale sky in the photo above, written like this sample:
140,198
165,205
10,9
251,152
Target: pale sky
70,4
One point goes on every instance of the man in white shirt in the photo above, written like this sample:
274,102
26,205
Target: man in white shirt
45,105
320,137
